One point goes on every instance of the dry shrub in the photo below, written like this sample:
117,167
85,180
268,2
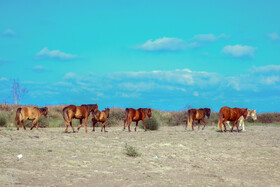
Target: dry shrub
131,151
116,117
3,120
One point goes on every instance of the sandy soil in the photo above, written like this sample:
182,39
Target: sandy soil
170,156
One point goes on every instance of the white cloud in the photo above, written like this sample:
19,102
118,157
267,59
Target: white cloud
70,75
208,37
267,69
9,33
273,36
3,79
176,44
268,75
270,80
163,44
178,76
55,54
239,51
39,68
195,93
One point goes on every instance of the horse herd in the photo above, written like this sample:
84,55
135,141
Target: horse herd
226,114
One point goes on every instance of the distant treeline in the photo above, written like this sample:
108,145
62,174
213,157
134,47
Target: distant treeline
116,118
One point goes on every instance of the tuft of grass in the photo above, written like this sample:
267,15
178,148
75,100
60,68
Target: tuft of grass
131,151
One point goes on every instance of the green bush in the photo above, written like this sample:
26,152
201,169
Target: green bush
214,118
131,151
151,124
3,120
116,117
266,118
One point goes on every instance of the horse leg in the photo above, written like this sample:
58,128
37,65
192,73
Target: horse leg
22,122
198,124
81,123
86,124
34,123
136,125
18,124
103,126
144,125
223,122
204,124
124,124
93,125
128,125
237,125
243,126
71,126
233,125
66,129
192,125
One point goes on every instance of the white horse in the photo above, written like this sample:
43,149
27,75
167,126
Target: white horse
252,113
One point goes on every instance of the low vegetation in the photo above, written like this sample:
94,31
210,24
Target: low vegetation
116,118
131,151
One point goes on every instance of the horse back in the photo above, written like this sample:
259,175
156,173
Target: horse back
230,114
133,114
200,114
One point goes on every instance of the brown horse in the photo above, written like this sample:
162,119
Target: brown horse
197,114
30,113
136,115
231,114
77,112
100,116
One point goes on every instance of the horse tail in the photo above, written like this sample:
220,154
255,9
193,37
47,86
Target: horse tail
126,113
220,120
65,115
189,117
18,115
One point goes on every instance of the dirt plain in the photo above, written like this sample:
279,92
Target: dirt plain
170,156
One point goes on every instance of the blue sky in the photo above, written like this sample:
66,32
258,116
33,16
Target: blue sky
160,54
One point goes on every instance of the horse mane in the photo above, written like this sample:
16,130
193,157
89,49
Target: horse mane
90,106
43,109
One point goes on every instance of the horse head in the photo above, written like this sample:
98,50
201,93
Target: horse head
44,111
207,112
107,111
149,113
253,114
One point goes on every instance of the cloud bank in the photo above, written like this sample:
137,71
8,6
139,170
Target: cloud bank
239,51
55,54
163,44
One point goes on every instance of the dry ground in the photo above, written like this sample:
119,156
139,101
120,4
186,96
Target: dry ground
170,156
